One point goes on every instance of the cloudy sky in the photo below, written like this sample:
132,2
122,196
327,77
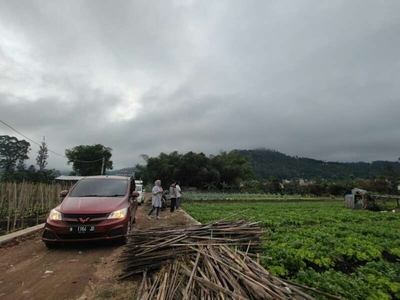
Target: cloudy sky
315,78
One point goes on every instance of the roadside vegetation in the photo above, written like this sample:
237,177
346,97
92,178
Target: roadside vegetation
25,204
353,254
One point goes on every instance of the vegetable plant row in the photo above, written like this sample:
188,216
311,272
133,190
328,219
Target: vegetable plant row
351,253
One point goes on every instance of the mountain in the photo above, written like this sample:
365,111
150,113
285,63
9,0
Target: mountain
271,163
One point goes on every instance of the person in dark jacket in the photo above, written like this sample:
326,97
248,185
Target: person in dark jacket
172,194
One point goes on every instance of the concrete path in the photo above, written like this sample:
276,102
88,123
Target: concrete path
8,237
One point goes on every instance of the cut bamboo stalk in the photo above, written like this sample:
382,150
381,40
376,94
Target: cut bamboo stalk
15,205
313,290
189,285
214,286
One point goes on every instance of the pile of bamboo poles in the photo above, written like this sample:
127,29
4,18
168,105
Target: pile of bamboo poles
217,272
213,261
149,249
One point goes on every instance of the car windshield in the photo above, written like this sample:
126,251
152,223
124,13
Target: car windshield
100,188
138,188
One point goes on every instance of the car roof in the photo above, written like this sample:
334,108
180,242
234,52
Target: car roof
107,177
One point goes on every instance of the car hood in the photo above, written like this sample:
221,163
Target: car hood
91,205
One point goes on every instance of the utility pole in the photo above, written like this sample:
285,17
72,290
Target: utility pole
102,165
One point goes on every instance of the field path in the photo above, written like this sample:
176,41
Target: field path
80,271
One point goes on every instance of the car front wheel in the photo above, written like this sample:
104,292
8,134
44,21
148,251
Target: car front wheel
50,245
122,241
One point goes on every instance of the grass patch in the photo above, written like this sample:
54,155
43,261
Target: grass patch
107,294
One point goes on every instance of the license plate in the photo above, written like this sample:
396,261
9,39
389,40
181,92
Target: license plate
82,229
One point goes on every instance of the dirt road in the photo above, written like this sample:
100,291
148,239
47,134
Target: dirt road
80,271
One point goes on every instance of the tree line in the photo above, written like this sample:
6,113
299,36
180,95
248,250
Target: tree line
270,163
326,188
236,171
197,169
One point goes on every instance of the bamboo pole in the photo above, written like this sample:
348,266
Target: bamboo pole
189,285
313,290
15,206
9,195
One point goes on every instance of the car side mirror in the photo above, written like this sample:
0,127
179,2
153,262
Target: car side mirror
144,190
63,193
135,194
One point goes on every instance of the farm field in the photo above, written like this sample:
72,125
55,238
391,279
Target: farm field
204,196
349,253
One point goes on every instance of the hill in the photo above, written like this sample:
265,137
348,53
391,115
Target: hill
271,163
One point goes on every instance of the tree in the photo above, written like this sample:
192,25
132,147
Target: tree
41,159
164,167
232,167
47,176
12,151
87,159
145,157
195,170
393,178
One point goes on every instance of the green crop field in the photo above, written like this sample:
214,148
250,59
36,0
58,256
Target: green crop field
204,196
349,253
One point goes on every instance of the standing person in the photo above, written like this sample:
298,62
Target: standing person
156,199
172,194
178,195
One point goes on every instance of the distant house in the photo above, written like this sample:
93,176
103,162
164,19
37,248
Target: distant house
303,182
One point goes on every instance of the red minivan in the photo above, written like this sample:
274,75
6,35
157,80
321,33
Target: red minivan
96,208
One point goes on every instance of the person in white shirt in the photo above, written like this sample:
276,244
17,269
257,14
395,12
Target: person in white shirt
178,194
156,199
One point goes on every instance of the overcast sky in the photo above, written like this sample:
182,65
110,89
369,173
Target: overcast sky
317,79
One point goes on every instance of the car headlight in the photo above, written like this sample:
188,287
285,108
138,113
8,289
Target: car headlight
118,214
55,215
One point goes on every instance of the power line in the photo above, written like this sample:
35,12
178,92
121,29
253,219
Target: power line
63,156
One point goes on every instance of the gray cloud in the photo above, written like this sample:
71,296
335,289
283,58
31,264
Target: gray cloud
307,78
